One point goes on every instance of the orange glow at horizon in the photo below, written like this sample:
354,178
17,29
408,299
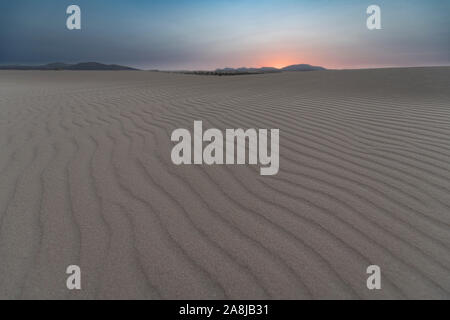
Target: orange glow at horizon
282,60
278,62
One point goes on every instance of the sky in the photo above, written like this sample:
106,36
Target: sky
210,34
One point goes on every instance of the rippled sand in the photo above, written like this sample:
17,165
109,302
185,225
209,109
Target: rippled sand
86,178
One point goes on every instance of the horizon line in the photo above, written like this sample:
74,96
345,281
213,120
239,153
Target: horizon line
227,67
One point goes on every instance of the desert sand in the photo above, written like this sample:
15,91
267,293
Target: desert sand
86,179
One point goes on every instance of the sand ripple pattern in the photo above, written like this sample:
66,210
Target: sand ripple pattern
86,179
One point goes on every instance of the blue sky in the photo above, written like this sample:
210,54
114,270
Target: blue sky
202,34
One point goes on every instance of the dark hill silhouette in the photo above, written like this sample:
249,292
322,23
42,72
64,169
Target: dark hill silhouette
302,67
243,70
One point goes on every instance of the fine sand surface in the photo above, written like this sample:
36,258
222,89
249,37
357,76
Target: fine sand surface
86,178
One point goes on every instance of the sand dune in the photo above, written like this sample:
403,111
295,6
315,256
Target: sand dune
86,178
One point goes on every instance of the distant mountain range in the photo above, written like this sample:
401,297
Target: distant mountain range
66,66
294,67
101,66
302,67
